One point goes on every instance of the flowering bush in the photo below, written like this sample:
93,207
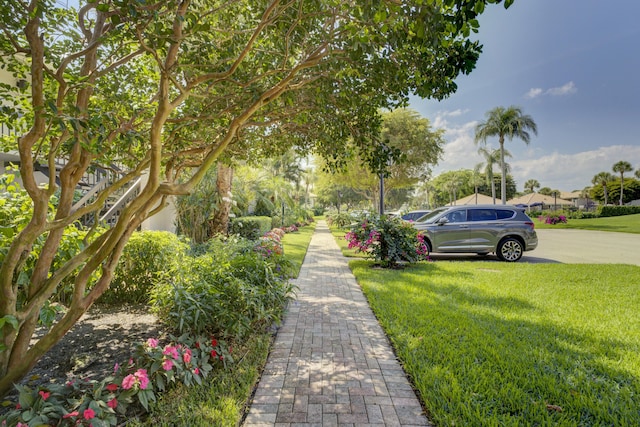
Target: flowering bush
388,241
269,245
553,219
99,403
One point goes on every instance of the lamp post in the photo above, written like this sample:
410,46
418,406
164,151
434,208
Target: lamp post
555,199
381,207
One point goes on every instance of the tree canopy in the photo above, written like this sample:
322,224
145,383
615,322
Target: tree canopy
166,89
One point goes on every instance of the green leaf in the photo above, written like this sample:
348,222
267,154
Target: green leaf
10,320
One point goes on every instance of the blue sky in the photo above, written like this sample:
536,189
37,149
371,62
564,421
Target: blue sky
574,67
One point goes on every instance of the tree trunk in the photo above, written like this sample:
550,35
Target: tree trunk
220,221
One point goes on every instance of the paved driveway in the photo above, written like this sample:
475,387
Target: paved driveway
585,246
573,247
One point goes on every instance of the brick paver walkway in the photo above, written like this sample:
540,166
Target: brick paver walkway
331,363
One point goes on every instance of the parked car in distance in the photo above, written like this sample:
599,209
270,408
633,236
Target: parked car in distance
414,215
504,230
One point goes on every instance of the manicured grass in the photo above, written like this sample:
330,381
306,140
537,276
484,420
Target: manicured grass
623,224
222,399
296,244
496,344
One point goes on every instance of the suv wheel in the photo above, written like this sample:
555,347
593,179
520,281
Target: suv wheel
510,250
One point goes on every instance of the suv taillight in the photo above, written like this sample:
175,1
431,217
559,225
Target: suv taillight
531,224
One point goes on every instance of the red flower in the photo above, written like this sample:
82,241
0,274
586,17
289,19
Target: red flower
214,342
214,354
88,414
113,403
112,387
44,394
71,414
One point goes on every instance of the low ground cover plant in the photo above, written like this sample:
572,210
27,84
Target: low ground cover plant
532,344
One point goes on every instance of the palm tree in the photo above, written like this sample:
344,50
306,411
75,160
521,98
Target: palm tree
491,157
621,167
531,185
505,122
603,178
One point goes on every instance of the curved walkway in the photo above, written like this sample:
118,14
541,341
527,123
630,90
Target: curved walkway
331,364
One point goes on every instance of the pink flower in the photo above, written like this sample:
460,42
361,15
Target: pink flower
141,374
71,414
196,371
113,403
128,382
152,342
186,357
115,368
88,414
167,364
112,387
171,351
44,394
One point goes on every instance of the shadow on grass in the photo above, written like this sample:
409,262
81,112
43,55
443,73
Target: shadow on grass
478,359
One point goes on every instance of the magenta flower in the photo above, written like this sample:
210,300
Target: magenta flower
171,351
152,342
128,382
141,374
167,365
113,403
186,357
88,414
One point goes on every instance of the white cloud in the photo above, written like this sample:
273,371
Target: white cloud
534,92
566,89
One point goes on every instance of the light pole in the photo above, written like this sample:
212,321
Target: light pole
381,207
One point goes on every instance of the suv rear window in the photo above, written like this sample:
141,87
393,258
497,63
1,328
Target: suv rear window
505,213
481,215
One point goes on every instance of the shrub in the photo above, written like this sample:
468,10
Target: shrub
147,258
553,219
250,227
339,219
387,240
228,291
610,210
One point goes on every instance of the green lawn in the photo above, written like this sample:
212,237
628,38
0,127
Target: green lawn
497,344
296,244
624,224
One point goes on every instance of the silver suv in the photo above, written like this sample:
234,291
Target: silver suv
481,229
